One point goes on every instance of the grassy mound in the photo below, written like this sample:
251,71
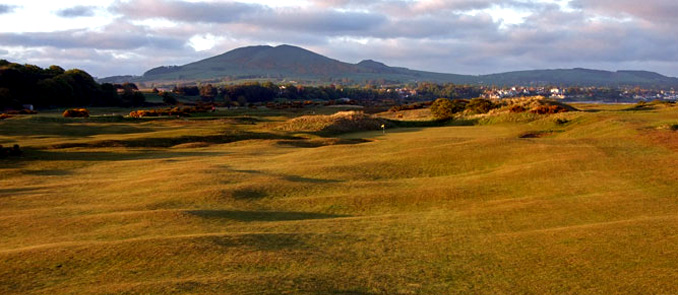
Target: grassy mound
341,122
533,104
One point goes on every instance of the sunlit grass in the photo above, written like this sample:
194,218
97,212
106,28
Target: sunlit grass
587,208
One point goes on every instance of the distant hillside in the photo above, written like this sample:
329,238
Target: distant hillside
287,62
580,77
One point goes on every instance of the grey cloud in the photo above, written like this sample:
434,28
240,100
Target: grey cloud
77,11
250,14
89,39
434,35
651,10
322,21
454,26
207,12
4,8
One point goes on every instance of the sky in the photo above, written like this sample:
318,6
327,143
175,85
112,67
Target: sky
129,37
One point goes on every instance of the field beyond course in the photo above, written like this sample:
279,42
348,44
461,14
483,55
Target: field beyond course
236,203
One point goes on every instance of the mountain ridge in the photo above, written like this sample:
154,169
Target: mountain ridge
287,62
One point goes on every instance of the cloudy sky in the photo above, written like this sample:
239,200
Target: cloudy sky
115,37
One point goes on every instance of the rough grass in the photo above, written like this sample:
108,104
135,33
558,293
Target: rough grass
590,209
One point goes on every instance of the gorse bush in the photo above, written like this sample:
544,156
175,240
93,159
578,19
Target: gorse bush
175,111
517,109
76,113
551,109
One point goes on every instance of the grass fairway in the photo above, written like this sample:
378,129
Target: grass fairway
583,205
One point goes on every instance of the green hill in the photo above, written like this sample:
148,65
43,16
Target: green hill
287,62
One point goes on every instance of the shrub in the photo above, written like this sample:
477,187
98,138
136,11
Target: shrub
76,113
168,98
479,106
175,111
548,109
517,109
443,108
4,116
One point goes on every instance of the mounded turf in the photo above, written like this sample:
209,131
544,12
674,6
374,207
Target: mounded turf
586,204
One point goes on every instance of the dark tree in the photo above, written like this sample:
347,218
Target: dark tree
208,92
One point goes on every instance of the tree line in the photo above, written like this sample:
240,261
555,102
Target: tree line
254,92
56,87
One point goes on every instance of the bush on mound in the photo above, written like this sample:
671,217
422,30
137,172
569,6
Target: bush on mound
341,122
76,113
533,104
546,110
443,108
479,106
175,111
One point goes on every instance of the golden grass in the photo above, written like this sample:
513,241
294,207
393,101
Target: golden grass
589,209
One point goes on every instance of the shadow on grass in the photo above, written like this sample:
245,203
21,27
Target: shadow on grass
249,216
12,192
434,123
66,127
321,143
47,172
42,155
539,134
592,111
292,178
340,292
166,142
249,194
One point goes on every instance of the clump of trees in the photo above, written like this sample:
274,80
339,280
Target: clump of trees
256,92
443,108
56,87
431,91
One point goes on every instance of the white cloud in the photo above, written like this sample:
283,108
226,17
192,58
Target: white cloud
460,36
203,42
